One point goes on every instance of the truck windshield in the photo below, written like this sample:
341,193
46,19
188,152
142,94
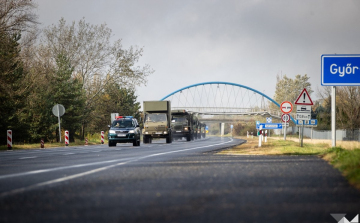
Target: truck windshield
179,119
122,123
156,117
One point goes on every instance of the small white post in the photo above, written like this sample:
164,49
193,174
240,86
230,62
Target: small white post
260,137
102,137
265,135
9,139
66,137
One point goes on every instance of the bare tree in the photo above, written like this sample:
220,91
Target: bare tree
17,15
97,61
348,106
288,89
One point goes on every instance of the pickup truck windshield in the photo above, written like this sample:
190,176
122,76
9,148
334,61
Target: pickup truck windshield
122,123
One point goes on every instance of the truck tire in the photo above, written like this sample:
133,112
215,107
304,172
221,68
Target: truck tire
146,139
188,138
169,139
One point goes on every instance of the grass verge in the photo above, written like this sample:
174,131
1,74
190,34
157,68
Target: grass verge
346,160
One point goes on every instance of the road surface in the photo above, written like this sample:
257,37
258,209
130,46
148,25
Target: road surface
178,182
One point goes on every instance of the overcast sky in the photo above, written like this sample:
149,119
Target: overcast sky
244,42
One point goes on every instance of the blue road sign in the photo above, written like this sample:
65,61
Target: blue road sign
310,122
270,126
269,120
340,70
206,127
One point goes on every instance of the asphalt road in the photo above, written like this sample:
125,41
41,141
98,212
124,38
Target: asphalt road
178,182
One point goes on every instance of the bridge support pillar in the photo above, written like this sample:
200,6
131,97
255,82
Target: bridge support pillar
222,129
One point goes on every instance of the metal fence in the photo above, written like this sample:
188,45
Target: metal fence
341,134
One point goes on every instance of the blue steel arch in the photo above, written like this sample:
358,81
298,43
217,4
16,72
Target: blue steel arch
227,83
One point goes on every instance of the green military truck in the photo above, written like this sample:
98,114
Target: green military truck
157,121
181,125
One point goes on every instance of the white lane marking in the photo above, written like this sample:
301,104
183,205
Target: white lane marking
24,189
68,154
96,151
59,168
29,157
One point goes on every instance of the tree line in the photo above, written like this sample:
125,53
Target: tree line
70,63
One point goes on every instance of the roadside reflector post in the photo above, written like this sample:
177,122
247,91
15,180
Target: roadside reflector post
42,143
102,137
66,137
265,135
86,141
260,132
9,139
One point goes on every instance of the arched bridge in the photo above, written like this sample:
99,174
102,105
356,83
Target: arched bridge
223,98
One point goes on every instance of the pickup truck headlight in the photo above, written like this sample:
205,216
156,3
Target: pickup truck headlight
186,129
165,132
112,131
131,131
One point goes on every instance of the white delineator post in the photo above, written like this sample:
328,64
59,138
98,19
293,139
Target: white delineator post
9,139
66,137
265,135
260,136
247,134
102,137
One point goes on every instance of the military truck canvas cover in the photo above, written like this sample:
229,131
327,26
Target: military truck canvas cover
152,106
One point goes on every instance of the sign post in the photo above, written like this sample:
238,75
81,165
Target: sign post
58,110
303,110
339,70
286,107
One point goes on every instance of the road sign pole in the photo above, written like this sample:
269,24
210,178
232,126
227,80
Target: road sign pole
58,107
285,130
302,135
333,115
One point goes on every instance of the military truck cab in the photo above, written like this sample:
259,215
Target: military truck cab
181,124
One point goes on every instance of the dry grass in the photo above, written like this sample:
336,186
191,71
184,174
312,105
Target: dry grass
275,146
350,145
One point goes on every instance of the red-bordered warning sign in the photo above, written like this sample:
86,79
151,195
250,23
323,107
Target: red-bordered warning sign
286,107
304,98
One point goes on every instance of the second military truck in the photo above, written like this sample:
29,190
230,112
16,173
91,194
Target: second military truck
182,124
157,121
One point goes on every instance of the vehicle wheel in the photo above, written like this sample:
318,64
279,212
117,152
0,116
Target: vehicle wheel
188,138
168,139
136,142
146,139
111,144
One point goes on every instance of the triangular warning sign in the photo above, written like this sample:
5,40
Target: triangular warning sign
304,98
